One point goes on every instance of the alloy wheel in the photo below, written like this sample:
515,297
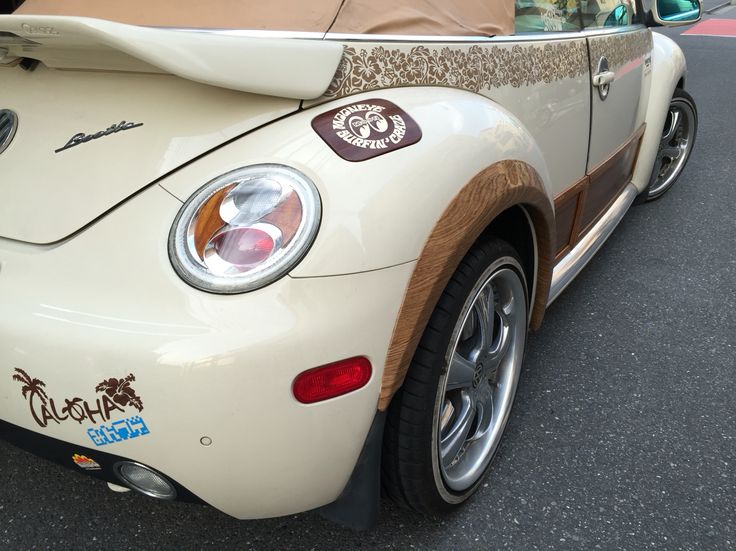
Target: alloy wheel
484,362
675,145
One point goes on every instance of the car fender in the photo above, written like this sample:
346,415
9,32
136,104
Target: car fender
425,202
668,69
380,212
478,160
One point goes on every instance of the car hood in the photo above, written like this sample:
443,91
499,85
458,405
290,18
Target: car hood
101,111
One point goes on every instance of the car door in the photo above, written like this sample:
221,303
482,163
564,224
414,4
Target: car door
619,48
557,110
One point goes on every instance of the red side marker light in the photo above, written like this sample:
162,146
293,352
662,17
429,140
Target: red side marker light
331,380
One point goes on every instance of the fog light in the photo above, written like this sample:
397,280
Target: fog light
145,480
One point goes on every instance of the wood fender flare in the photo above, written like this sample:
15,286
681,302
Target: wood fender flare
489,193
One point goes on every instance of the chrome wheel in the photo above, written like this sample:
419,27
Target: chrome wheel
484,360
444,425
678,137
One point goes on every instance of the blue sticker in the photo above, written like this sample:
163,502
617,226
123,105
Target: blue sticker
125,429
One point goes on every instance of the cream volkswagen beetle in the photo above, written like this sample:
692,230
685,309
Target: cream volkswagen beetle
277,269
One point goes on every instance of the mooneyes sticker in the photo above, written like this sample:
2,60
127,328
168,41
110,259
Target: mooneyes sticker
84,462
115,396
364,130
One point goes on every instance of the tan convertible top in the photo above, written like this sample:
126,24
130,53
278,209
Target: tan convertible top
402,17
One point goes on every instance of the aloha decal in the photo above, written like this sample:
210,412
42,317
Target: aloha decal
367,129
116,395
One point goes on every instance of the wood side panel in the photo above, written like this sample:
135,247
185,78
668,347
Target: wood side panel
608,179
566,214
578,215
564,220
488,194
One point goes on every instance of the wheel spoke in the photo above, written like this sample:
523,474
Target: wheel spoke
658,163
670,152
675,117
484,310
500,346
447,411
483,415
453,441
461,372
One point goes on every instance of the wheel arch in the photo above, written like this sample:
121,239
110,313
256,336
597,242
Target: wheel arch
502,199
515,226
668,73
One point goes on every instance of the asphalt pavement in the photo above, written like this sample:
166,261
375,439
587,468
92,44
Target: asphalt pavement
624,431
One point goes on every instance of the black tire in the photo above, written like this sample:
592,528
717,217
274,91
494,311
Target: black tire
413,471
667,171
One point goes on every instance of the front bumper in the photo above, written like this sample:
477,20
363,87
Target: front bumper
209,369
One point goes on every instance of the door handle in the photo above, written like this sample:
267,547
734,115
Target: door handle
603,78
606,77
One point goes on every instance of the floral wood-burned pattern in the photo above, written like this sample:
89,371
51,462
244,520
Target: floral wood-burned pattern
479,67
474,68
620,49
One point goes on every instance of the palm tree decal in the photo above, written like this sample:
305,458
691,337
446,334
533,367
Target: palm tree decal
34,387
120,391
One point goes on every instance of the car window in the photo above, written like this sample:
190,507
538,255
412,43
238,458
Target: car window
547,16
598,14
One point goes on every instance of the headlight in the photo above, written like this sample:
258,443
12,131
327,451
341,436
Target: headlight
245,229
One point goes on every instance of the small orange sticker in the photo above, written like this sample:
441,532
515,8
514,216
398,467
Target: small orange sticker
86,463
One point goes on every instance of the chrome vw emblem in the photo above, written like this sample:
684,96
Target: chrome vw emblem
8,126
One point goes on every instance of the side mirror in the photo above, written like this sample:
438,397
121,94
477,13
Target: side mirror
673,13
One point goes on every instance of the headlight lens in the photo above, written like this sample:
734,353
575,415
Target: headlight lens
245,229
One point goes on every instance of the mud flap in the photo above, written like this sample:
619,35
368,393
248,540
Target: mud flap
359,503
